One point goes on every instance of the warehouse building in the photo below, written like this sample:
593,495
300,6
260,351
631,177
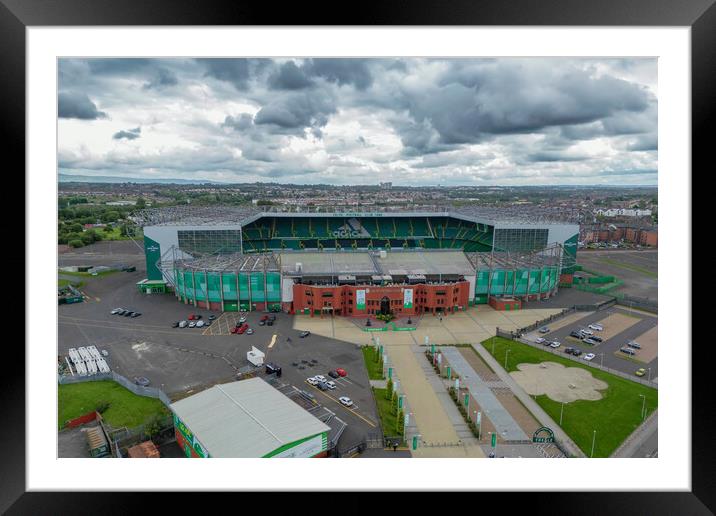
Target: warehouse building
247,419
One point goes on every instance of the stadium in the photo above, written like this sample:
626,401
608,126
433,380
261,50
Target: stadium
356,263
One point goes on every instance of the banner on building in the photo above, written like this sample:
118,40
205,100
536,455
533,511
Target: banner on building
408,298
360,299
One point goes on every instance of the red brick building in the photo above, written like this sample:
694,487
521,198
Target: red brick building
371,300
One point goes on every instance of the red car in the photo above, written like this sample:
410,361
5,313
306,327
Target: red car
191,317
242,328
235,330
264,318
341,372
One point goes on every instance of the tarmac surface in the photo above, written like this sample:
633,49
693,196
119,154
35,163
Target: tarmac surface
637,269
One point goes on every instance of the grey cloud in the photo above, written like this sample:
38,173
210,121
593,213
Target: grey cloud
77,105
342,71
163,78
131,134
289,77
234,71
298,111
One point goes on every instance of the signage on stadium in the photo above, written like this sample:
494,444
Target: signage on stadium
408,298
356,214
360,299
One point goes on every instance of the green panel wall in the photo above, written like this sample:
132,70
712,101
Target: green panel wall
153,254
257,287
244,287
214,286
522,281
497,285
510,280
273,287
229,287
534,282
200,282
569,260
481,282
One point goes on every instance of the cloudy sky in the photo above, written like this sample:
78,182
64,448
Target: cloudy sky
360,121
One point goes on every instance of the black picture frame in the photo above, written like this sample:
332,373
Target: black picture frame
699,15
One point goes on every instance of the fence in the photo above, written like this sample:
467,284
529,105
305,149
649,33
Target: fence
150,392
641,303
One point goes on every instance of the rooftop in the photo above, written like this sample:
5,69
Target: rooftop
248,418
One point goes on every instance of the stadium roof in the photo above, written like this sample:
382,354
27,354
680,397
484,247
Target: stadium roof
369,263
248,418
234,215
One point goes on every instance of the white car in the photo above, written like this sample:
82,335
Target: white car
539,340
331,385
320,378
312,380
345,400
589,356
199,324
596,327
192,324
116,311
586,332
250,331
183,324
242,320
554,344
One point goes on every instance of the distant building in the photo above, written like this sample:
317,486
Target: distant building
622,212
386,186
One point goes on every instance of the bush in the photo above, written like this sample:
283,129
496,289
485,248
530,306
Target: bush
102,406
76,243
388,389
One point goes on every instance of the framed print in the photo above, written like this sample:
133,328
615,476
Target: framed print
424,237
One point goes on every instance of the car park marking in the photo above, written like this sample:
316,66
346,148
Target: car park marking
273,341
350,409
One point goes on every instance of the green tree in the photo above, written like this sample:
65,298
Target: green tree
76,243
389,389
399,422
141,203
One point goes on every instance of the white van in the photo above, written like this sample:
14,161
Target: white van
183,324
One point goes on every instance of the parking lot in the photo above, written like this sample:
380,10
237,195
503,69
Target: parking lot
182,361
621,325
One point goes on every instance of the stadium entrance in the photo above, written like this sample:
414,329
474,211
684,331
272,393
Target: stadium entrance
385,306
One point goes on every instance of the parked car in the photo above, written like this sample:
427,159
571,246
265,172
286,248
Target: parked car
322,386
264,318
589,356
312,380
544,329
234,330
199,324
568,350
242,320
333,374
141,380
192,324
331,385
585,331
136,314
577,352
634,344
320,378
304,334
596,339
345,400
546,342
262,323
540,340
128,313
627,351
104,353
212,317
554,344
576,334
116,311
242,328
269,323
250,331
341,372
590,341
272,368
596,327
183,324
176,324
640,372
191,317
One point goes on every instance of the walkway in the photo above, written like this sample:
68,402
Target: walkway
433,422
638,438
530,403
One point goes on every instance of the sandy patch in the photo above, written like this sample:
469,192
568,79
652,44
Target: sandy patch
615,324
559,383
648,342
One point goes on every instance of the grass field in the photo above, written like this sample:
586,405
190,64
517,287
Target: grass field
87,274
64,282
614,417
388,420
630,266
125,407
375,371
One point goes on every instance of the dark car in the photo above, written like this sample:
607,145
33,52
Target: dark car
269,323
175,325
212,317
128,314
262,323
576,334
577,352
141,380
597,339
333,374
136,314
304,334
272,368
322,386
569,351
628,351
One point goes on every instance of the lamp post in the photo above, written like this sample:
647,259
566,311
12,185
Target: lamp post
506,353
594,439
561,412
